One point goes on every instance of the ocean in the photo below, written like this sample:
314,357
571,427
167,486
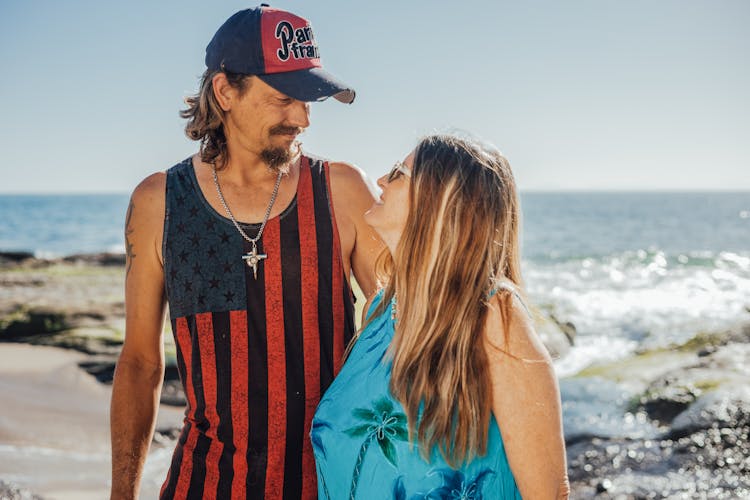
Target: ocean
59,225
630,270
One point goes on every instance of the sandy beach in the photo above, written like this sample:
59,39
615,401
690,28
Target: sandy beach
54,426
668,420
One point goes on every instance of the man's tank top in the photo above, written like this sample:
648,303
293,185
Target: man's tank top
254,354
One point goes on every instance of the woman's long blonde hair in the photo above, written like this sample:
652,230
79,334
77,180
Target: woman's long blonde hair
461,237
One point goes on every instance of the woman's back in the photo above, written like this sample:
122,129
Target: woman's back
360,437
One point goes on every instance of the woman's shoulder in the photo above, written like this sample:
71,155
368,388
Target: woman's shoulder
510,323
504,286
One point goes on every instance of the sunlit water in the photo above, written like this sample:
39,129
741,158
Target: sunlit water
630,270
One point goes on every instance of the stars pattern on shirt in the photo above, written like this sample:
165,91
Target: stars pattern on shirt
204,253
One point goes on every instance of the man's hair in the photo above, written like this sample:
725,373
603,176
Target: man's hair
206,118
461,239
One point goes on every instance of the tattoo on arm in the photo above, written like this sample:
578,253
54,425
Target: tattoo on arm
129,255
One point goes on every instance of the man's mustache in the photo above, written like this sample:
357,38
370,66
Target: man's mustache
285,130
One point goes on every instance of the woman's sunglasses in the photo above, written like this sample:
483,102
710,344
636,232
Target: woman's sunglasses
398,169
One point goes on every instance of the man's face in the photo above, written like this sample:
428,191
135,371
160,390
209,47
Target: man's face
267,122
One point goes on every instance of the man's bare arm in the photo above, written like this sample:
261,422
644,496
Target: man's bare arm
140,368
352,196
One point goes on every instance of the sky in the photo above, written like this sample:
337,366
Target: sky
579,95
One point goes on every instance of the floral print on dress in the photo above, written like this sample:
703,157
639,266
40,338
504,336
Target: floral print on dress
454,486
379,423
359,410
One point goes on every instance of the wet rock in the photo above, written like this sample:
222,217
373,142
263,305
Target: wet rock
22,260
77,306
87,341
726,408
667,398
566,327
553,337
706,340
101,259
603,486
74,303
10,491
27,260
557,334
103,369
637,373
172,393
23,322
166,437
698,395
707,351
15,280
690,468
15,257
595,407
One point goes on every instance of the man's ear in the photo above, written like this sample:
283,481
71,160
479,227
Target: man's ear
223,91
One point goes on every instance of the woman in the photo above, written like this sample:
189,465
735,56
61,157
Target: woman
448,356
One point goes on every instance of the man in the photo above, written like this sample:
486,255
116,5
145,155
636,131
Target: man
251,243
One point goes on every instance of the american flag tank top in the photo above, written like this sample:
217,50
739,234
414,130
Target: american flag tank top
254,354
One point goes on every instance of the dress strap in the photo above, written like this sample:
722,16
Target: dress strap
375,301
502,285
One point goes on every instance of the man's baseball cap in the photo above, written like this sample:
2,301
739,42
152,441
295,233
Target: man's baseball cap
279,48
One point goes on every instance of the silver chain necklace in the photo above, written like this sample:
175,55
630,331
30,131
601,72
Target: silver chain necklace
252,258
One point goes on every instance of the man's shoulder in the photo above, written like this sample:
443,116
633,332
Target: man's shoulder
181,167
338,168
347,175
156,183
350,185
149,194
342,175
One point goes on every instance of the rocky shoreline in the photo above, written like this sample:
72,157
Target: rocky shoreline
693,401
677,419
9,491
75,302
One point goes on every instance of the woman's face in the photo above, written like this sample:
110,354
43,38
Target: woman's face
388,215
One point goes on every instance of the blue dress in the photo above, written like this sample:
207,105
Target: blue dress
360,438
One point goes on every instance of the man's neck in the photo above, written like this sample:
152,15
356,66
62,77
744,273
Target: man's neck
246,168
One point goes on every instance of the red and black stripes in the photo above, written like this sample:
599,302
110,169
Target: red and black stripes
276,362
239,404
255,370
309,282
224,348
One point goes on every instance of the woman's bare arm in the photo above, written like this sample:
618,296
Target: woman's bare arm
526,402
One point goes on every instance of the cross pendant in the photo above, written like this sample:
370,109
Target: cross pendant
253,258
